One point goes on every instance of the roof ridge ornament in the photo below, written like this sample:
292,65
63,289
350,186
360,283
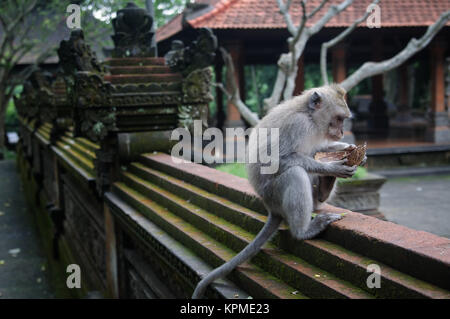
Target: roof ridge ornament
198,55
76,55
133,32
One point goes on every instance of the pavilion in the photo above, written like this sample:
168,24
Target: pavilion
254,32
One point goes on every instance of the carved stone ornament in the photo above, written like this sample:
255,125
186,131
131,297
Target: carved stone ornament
196,87
200,54
75,55
188,113
91,90
36,92
132,32
96,123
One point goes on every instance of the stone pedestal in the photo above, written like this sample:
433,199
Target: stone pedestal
438,131
359,195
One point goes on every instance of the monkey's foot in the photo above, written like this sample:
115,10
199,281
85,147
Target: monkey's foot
330,217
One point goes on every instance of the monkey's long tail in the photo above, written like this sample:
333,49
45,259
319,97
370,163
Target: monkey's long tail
248,252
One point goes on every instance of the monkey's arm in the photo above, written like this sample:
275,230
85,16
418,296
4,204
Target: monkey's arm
336,146
310,165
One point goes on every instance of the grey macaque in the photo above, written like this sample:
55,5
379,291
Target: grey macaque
308,123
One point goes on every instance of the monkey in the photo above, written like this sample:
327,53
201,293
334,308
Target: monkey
308,123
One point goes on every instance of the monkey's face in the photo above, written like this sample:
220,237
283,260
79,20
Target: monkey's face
328,110
336,127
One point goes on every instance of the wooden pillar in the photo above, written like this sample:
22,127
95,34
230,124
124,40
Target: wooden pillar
338,63
339,71
378,121
438,130
237,54
300,79
403,109
220,115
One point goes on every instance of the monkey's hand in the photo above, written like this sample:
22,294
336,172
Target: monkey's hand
338,146
350,147
339,169
363,161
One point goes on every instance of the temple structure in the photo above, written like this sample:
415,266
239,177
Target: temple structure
254,32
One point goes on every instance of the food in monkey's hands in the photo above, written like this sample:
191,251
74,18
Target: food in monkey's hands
354,156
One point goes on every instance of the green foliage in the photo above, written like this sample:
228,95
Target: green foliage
361,172
11,119
105,9
237,169
313,78
259,81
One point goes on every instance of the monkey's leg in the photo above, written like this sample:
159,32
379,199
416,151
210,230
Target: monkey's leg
326,185
297,205
322,187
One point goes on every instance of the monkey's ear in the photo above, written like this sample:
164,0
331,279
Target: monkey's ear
315,102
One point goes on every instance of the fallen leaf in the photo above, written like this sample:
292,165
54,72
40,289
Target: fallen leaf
2,262
7,204
39,280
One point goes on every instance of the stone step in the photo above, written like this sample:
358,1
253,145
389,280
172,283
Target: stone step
79,159
262,284
224,208
290,269
135,61
43,133
79,148
92,147
320,253
230,187
178,257
137,69
393,245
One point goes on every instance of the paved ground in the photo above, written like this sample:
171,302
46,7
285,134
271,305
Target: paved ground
421,203
23,269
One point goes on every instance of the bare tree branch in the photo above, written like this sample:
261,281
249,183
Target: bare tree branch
332,11
21,17
298,34
284,10
336,40
299,43
317,9
370,69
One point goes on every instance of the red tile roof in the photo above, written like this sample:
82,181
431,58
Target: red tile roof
169,29
264,14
